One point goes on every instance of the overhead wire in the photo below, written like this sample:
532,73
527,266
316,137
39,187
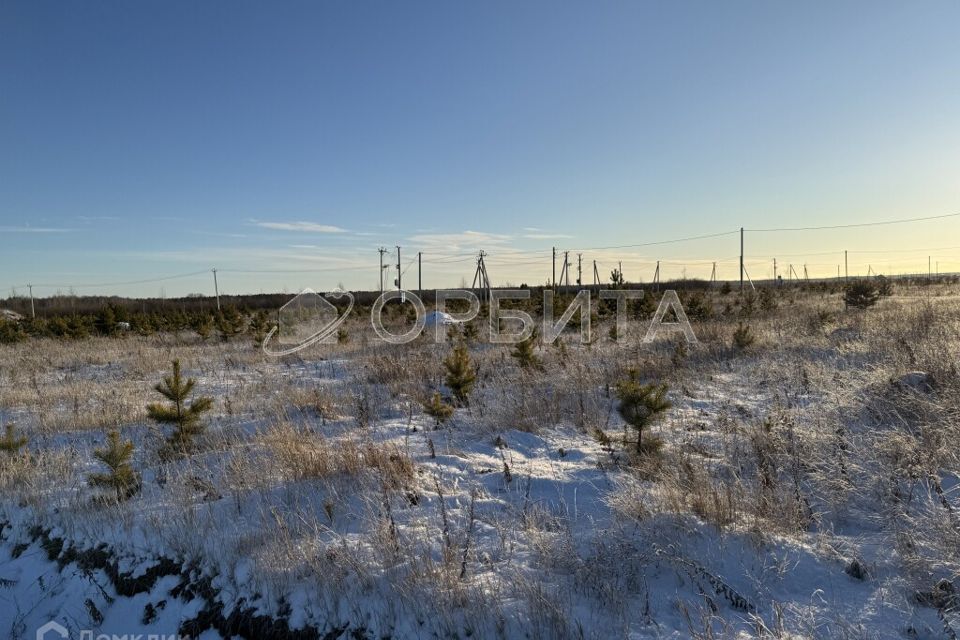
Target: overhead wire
515,258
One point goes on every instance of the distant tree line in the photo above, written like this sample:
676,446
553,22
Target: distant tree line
76,317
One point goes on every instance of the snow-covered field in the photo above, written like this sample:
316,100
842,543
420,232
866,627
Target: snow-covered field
808,486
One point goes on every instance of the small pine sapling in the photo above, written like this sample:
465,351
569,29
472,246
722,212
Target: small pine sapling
230,323
743,337
186,419
470,331
461,375
116,456
861,294
641,405
11,332
259,327
884,286
680,353
561,351
11,442
437,409
524,354
203,325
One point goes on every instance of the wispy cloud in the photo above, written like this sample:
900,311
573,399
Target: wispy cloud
218,234
462,240
301,226
29,229
89,219
546,236
227,258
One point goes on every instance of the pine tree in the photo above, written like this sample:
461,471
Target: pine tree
461,375
437,409
884,286
640,406
229,323
526,358
11,443
120,476
203,325
616,278
106,322
11,332
470,331
186,419
259,327
743,337
861,294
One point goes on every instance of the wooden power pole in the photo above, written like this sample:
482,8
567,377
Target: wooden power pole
553,279
399,273
216,289
382,251
741,259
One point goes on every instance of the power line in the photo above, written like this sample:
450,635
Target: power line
120,284
652,244
857,224
314,270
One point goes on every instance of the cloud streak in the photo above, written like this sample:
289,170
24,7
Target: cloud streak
464,240
546,236
29,229
301,227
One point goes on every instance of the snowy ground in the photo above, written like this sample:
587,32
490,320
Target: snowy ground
801,492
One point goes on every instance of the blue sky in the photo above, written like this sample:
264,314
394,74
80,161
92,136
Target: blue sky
152,139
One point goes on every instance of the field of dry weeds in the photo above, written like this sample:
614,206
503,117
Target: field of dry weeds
807,486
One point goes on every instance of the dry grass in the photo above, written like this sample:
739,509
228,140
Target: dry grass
301,455
809,434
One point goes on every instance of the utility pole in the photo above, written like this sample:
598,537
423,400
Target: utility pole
566,266
620,269
382,251
579,269
553,280
806,275
846,267
929,269
741,259
596,274
713,274
774,270
420,273
216,289
33,313
481,277
399,274
656,277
